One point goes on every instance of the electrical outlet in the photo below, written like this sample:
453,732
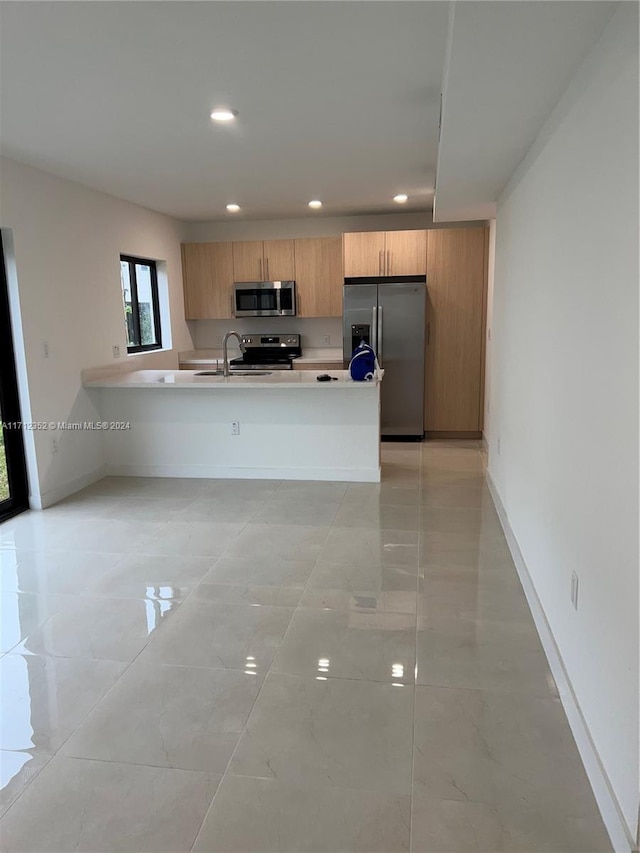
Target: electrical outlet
326,340
45,349
219,341
54,444
574,590
235,428
116,351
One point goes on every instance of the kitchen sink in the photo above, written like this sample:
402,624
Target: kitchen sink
235,373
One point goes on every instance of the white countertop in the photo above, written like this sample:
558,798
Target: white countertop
309,355
188,379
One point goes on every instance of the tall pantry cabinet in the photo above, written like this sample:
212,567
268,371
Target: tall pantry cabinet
456,319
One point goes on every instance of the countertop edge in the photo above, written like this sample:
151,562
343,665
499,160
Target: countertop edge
187,380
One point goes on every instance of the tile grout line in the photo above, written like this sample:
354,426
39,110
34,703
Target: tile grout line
295,609
124,671
298,606
264,681
415,670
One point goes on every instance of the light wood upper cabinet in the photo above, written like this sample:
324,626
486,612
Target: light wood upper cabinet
207,274
456,316
263,260
248,261
363,253
319,276
383,253
406,253
279,260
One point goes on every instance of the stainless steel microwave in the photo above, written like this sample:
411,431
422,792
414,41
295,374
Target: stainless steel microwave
264,299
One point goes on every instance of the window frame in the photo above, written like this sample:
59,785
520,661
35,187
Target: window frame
135,308
14,450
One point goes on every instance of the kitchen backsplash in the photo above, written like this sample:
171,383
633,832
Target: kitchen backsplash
208,334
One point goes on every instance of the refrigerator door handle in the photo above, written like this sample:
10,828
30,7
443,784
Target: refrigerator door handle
374,329
379,336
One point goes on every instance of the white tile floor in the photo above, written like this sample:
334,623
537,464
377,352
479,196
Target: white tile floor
265,666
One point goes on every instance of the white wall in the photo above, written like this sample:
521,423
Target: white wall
67,240
301,432
564,388
311,226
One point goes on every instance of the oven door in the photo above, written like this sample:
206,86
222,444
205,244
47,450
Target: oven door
264,299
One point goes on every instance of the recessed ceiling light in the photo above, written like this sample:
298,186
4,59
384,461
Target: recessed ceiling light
224,114
233,208
401,198
315,203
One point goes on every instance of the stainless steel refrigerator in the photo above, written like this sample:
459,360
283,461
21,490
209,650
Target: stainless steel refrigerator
389,314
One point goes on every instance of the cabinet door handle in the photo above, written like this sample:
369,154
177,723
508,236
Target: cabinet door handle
266,265
380,263
373,334
233,307
260,273
388,261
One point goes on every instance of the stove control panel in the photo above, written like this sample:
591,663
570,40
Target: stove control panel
271,341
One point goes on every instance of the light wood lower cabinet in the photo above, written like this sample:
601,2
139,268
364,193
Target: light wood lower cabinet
318,276
456,317
207,275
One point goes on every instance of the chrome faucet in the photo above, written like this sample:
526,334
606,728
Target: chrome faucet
225,342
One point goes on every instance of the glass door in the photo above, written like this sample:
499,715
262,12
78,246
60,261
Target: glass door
14,495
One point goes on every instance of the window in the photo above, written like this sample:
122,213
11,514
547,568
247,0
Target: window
139,279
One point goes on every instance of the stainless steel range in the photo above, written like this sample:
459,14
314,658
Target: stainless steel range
268,352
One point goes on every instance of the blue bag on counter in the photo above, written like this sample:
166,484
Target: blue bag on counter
363,363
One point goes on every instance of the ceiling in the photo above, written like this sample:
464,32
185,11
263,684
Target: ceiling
508,64
337,100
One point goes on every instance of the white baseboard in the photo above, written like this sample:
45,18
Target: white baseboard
612,816
61,492
352,475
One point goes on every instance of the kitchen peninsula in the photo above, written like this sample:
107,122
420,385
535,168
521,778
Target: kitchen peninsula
285,425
